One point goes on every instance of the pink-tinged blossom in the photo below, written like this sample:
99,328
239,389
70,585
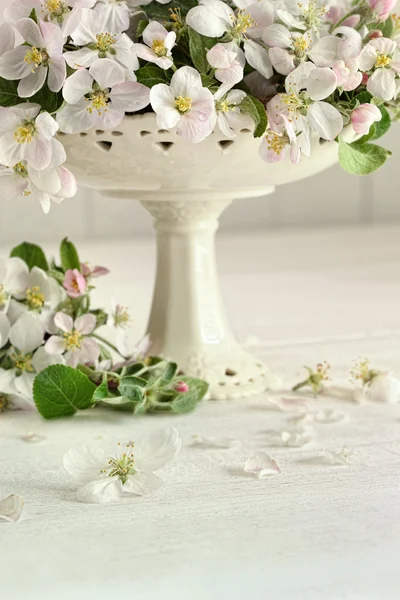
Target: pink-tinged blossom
228,61
97,271
228,115
382,57
287,48
99,97
182,387
382,8
27,135
158,43
335,15
74,342
185,104
277,140
364,116
38,59
75,283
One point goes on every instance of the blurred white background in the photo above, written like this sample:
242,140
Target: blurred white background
330,198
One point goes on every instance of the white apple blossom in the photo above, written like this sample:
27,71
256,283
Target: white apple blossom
158,43
41,294
228,115
95,42
213,18
306,87
129,468
14,277
381,56
275,142
228,61
99,97
185,104
53,184
27,135
74,340
39,58
304,15
287,48
115,14
27,357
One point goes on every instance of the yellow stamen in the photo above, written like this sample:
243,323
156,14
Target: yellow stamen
183,104
300,45
24,134
121,466
159,48
98,101
20,169
242,23
382,60
22,362
35,298
121,317
276,142
104,42
35,58
73,340
292,101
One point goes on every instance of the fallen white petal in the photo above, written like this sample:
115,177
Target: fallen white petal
33,438
330,416
296,438
200,441
289,403
11,508
261,464
338,457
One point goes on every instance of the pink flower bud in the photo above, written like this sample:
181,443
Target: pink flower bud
376,33
364,79
182,387
382,8
74,283
364,116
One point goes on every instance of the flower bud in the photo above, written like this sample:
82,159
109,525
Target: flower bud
382,8
181,387
364,116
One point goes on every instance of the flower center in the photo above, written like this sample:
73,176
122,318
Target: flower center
22,362
363,372
73,340
25,133
313,14
121,466
20,169
242,23
224,106
183,104
55,7
98,101
35,298
382,60
300,46
292,101
159,48
3,296
104,43
35,58
276,142
121,316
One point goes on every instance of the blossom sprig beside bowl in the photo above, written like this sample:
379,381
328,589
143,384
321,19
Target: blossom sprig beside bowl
288,70
51,351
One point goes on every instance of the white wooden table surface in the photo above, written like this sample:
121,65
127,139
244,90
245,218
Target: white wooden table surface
314,532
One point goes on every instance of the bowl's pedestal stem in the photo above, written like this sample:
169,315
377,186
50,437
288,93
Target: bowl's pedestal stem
187,321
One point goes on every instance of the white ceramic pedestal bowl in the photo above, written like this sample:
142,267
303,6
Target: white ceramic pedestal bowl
186,187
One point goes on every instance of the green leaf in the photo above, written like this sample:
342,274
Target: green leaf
198,47
382,126
60,391
133,388
69,256
253,107
31,254
8,93
386,27
161,12
118,403
151,76
33,15
209,82
102,391
141,26
187,401
49,101
361,159
169,373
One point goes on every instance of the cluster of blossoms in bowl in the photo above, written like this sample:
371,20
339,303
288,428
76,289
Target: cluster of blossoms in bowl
292,69
51,353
